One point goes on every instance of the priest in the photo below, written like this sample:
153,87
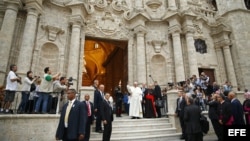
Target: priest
135,108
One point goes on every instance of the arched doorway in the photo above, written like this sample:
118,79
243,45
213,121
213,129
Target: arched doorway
106,61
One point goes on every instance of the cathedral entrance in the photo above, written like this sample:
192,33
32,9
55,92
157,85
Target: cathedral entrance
106,61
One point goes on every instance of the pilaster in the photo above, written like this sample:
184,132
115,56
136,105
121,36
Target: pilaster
175,30
28,41
6,34
74,52
189,30
140,32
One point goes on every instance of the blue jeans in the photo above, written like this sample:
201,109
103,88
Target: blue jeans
24,101
43,98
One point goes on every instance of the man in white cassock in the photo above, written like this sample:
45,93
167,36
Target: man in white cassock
135,108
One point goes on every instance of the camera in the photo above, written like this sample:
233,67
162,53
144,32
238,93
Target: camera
170,84
70,81
181,83
37,76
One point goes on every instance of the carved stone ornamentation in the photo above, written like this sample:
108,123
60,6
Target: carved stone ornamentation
52,31
104,24
157,44
154,4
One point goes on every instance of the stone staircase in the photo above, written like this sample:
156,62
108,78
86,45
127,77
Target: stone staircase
126,129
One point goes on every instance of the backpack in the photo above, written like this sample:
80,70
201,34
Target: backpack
204,124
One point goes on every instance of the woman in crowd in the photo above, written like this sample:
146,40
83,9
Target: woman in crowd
26,91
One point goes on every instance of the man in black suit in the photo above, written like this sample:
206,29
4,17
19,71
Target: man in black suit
158,96
225,115
90,112
72,121
237,109
118,100
179,112
98,98
213,113
192,121
107,118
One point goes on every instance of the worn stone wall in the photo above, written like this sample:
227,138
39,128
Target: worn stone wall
28,127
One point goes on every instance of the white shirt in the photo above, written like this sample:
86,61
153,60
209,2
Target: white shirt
72,105
11,85
27,84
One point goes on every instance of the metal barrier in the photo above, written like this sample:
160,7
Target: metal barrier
29,107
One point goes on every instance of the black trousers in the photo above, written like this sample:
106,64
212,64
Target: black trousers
181,119
98,123
194,137
107,132
87,130
65,138
216,126
158,110
118,108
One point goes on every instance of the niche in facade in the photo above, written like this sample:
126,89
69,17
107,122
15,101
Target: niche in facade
247,3
200,46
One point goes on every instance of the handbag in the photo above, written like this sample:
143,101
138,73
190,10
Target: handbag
159,103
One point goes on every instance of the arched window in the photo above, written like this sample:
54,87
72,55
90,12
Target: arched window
247,3
200,46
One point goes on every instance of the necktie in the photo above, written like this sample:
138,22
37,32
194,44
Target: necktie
89,111
67,113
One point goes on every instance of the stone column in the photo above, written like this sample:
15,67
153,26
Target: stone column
141,56
178,57
27,46
221,65
74,50
6,34
230,66
192,59
172,4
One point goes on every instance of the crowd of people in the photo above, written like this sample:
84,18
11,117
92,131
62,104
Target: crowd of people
37,96
195,95
221,102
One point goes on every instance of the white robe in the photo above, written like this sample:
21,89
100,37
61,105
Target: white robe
135,108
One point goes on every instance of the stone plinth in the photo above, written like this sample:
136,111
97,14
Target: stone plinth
28,127
87,90
172,97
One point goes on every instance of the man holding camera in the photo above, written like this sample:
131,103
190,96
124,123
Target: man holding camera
45,89
59,86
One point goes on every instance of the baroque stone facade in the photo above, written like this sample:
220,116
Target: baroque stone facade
161,37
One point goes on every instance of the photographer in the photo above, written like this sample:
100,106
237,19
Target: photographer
45,89
59,86
28,81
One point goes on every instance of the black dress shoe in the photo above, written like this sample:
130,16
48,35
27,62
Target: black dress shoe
133,118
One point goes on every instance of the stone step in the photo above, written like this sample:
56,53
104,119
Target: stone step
140,121
136,133
146,126
157,137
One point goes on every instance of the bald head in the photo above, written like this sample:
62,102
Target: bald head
231,95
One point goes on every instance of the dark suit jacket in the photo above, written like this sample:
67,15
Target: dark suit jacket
92,110
192,119
158,91
213,110
237,111
97,99
76,121
225,111
106,112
